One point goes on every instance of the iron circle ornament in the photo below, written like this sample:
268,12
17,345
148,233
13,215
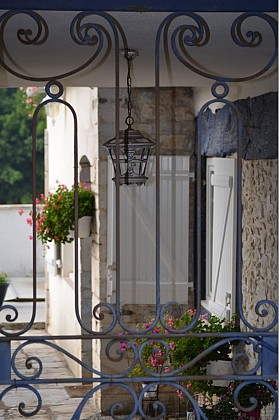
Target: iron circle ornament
224,90
55,84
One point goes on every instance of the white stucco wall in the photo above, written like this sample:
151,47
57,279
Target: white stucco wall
15,244
61,137
61,317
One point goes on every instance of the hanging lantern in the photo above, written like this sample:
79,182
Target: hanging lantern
134,147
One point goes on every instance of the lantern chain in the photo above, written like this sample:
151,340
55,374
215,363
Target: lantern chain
129,55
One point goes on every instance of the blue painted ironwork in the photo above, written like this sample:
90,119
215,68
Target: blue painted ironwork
270,355
147,5
195,32
21,406
5,357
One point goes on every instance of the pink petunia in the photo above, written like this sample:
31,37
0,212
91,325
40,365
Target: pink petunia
172,345
29,221
180,393
191,312
123,346
170,322
30,237
21,211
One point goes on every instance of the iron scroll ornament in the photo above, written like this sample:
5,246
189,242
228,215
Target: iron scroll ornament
22,405
116,312
84,33
94,35
197,34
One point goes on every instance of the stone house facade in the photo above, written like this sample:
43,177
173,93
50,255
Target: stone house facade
95,110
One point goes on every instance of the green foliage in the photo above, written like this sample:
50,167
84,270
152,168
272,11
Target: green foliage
174,354
256,390
224,409
250,394
16,146
3,278
55,216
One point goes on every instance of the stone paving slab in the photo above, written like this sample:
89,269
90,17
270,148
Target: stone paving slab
59,401
57,404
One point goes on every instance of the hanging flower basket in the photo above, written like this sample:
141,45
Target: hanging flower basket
55,218
84,226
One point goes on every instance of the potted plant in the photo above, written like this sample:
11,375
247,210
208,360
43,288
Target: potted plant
247,396
187,348
4,284
55,217
169,354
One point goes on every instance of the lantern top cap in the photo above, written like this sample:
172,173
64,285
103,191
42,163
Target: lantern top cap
130,138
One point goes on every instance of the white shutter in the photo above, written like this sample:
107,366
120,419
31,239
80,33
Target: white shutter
221,236
138,235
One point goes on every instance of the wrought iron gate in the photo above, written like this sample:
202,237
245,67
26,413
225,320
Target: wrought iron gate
173,347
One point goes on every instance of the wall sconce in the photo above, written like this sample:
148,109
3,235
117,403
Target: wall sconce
134,147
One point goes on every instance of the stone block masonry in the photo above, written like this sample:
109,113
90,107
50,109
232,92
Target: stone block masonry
260,132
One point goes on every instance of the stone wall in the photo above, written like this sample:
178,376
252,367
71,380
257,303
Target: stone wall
260,130
177,137
176,118
259,197
260,261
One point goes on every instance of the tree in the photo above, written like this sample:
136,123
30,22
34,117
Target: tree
16,112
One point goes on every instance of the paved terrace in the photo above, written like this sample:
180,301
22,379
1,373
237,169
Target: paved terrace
59,401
